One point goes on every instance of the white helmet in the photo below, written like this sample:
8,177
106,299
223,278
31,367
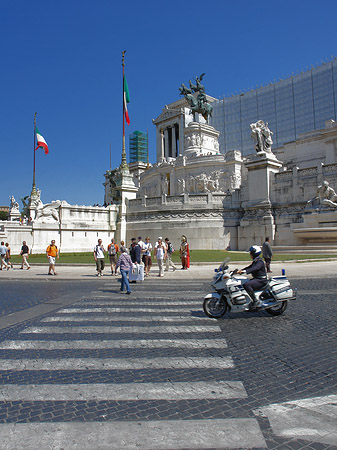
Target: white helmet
255,250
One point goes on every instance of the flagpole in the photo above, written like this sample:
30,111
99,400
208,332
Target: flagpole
124,163
147,142
34,185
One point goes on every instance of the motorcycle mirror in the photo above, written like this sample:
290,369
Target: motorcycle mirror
216,270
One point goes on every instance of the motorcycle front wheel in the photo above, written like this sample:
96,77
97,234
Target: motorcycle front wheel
215,307
278,309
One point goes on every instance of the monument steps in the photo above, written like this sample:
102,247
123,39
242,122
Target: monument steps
319,249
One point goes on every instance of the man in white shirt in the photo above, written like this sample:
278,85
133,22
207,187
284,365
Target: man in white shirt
3,253
99,257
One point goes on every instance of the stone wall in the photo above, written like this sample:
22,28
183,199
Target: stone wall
208,220
77,229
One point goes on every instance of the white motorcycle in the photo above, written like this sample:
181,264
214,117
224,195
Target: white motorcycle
230,295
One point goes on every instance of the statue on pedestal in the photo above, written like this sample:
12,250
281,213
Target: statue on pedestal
261,135
199,102
14,206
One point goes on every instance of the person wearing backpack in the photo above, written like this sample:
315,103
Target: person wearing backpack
113,251
169,251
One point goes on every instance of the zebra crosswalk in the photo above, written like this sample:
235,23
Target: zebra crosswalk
144,386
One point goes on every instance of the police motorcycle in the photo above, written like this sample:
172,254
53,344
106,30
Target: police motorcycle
230,295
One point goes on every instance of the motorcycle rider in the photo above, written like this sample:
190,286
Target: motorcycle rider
258,271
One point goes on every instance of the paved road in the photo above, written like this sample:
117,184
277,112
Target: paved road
93,368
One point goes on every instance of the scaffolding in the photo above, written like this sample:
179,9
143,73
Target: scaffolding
138,145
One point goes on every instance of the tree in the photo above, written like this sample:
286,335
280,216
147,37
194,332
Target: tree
3,215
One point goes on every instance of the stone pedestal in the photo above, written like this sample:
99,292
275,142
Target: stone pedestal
260,171
123,189
317,228
14,215
200,139
258,220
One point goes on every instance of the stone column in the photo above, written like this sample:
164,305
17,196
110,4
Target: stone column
160,144
181,134
174,142
166,147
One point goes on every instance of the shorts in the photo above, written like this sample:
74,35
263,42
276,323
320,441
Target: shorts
113,259
51,259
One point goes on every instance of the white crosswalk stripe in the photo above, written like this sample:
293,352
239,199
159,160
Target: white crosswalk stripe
103,318
125,343
121,310
118,392
117,363
177,325
135,304
135,435
120,329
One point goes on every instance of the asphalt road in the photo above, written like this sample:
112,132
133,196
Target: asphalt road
84,366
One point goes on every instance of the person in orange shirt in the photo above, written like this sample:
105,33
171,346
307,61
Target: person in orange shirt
52,253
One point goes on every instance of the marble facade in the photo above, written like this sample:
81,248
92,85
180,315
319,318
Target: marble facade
217,200
74,227
227,201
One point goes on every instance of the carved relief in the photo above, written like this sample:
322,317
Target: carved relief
48,213
216,181
181,186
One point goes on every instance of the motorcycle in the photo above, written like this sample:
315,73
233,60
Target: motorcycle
230,295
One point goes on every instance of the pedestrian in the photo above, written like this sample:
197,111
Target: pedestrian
141,245
3,255
8,256
184,253
169,251
99,257
267,253
52,253
113,251
147,256
135,251
25,255
125,264
160,254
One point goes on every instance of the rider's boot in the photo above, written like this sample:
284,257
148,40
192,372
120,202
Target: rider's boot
255,303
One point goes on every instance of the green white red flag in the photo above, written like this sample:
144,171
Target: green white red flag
126,101
41,142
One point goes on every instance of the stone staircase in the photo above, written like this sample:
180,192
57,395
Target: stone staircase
306,249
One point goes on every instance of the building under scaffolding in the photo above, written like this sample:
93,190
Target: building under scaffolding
138,146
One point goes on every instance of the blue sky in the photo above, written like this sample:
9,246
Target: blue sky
62,59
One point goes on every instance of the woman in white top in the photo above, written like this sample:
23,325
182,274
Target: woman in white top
147,248
160,253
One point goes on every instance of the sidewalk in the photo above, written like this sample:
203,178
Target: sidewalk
317,269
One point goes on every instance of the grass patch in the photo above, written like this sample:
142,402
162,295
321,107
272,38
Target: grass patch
196,256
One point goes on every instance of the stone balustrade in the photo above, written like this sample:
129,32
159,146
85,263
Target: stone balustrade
180,201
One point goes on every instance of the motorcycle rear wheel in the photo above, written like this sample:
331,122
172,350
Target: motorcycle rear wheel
215,307
278,310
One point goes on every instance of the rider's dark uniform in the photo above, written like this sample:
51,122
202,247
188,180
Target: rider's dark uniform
258,271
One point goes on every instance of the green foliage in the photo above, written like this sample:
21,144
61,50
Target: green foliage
3,215
197,256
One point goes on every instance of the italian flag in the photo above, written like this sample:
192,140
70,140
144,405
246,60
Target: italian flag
126,101
41,142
